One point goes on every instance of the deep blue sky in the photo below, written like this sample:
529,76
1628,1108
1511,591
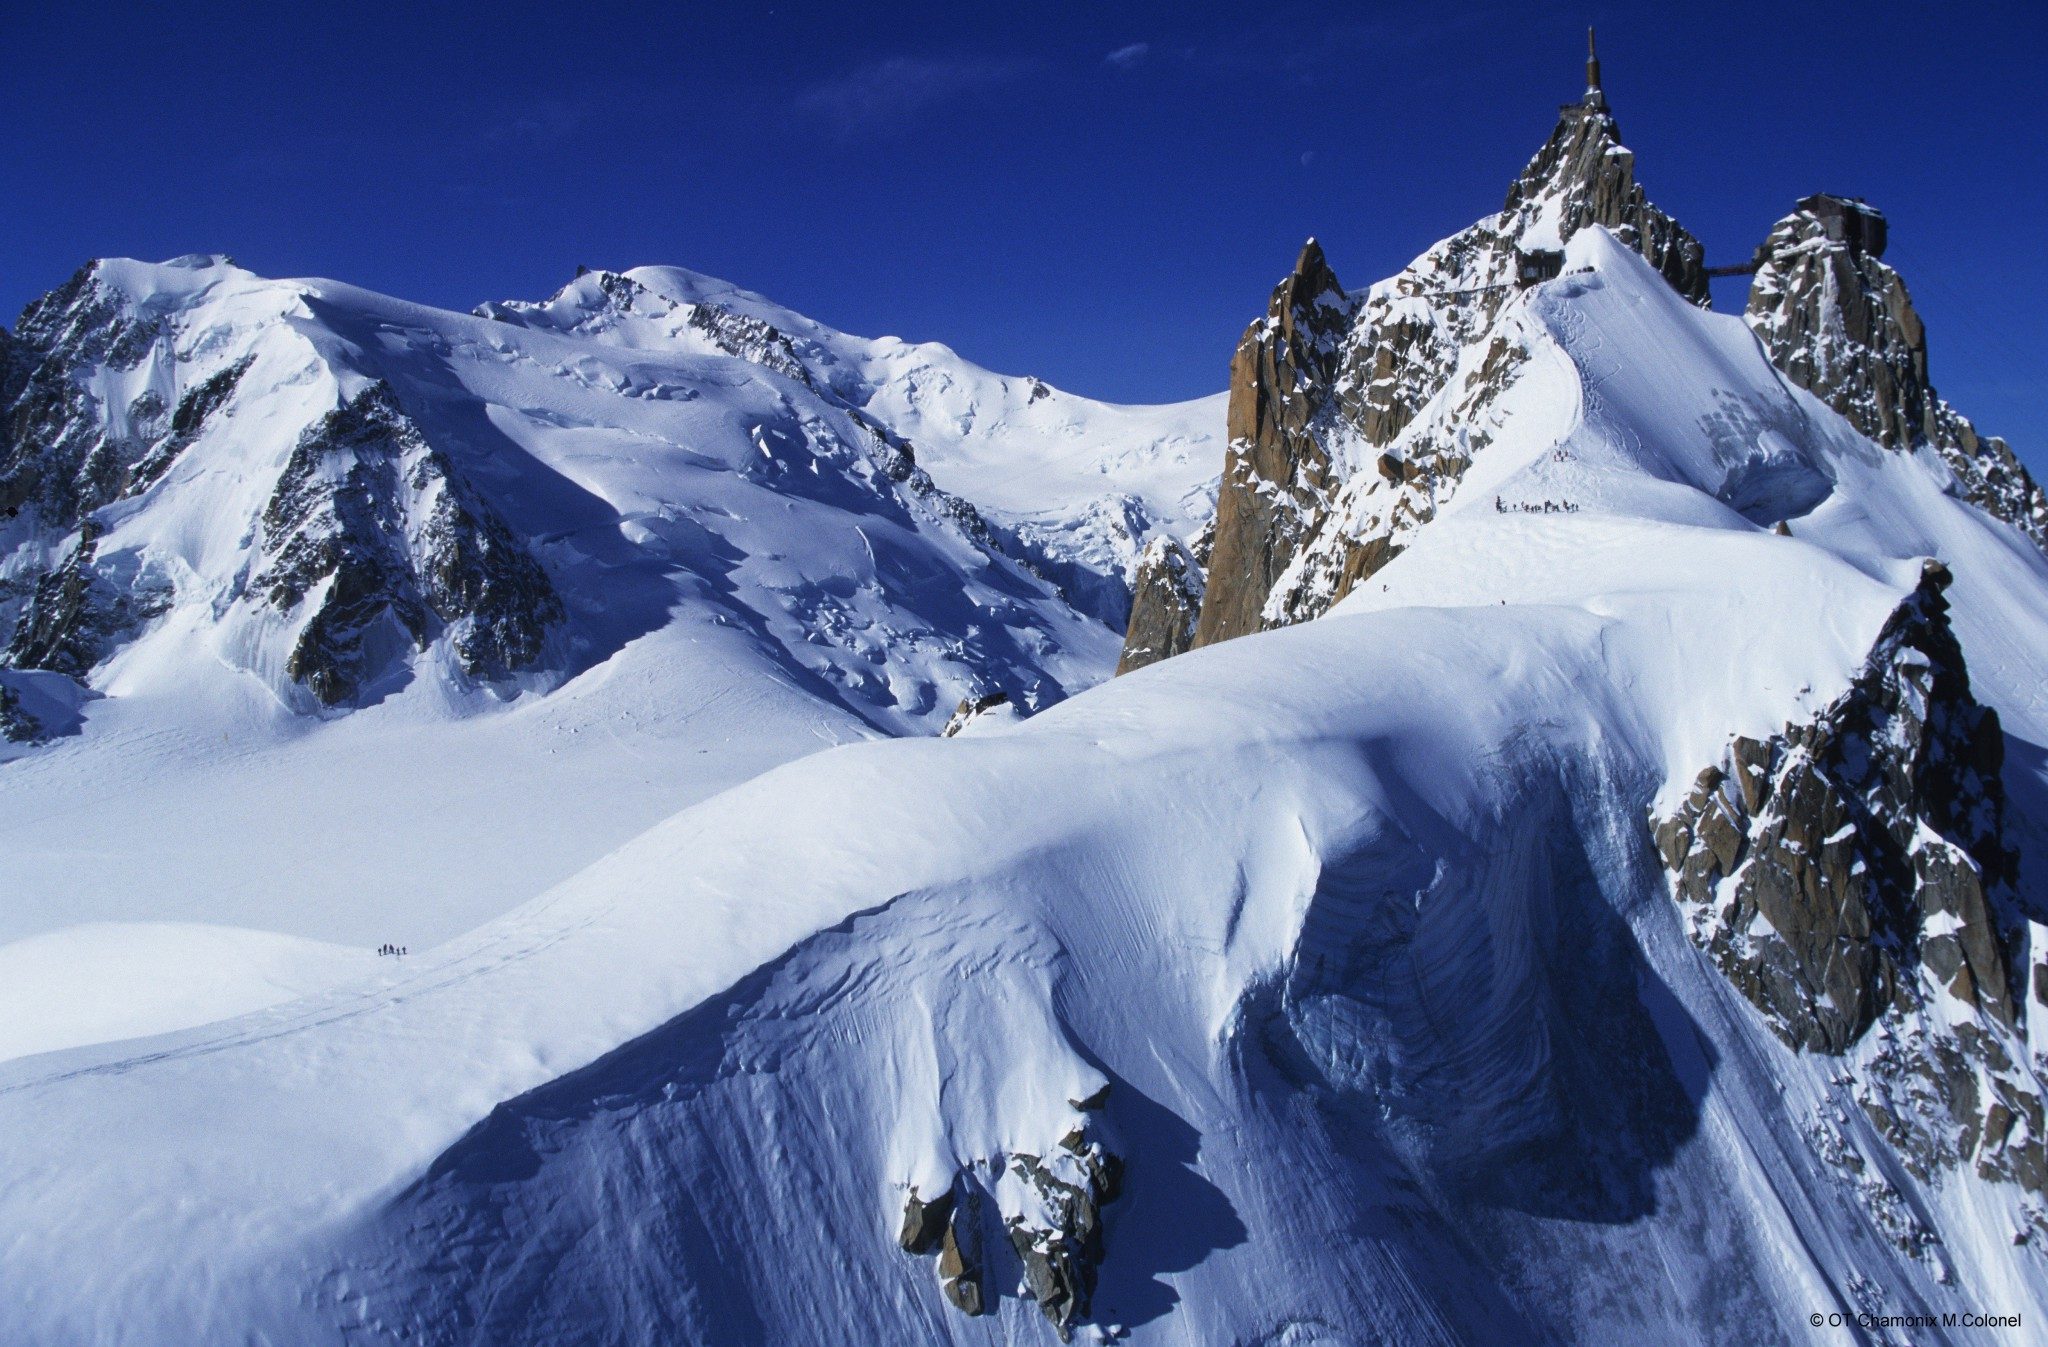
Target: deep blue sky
991,176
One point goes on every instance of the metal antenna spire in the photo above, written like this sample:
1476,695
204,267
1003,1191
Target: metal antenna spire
1592,62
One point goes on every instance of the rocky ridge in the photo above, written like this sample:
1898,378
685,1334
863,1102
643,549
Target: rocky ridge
1837,320
1332,462
1850,876
377,547
1278,471
1354,416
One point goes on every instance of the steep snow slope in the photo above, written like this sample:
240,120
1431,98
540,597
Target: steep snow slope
1360,923
364,621
1079,486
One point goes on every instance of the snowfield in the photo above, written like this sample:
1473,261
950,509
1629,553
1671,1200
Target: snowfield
1360,923
717,502
104,981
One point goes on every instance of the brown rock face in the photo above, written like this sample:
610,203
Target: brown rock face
925,1223
1327,471
1275,473
1060,1256
1838,322
1823,863
1586,176
1050,1209
1165,601
959,1277
971,709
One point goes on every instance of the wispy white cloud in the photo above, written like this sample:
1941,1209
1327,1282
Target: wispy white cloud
1126,57
886,94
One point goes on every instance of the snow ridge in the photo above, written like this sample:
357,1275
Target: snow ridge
1362,923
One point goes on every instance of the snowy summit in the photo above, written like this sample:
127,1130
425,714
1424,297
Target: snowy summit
1562,859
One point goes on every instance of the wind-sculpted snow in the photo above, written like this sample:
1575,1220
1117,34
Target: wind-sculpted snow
1325,986
489,595
1361,923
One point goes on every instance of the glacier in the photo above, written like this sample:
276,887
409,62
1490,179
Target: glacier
1349,943
360,621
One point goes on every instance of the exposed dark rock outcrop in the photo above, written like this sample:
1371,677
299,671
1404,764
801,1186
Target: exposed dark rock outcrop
370,524
1851,870
1837,320
64,454
74,612
1062,1248
1276,471
1585,176
1166,599
60,449
972,709
1327,470
16,724
960,1273
950,1223
748,338
195,406
58,452
1050,1213
924,1223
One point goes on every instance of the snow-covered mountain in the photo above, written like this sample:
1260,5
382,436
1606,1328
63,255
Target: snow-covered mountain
335,615
1593,897
1355,416
1074,487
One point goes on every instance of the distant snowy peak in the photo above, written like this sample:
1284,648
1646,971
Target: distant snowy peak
680,310
355,541
71,450
334,492
1008,434
922,390
1072,487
